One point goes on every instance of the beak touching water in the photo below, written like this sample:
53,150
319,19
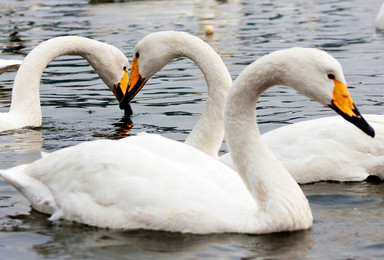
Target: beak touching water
342,103
136,82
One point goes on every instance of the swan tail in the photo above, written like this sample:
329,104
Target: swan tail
34,190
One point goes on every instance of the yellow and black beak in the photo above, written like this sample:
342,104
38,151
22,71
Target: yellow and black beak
120,88
342,103
135,84
119,91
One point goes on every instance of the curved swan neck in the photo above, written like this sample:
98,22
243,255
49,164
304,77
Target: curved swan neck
25,93
208,133
268,181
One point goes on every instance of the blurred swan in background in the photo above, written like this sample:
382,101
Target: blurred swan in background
6,65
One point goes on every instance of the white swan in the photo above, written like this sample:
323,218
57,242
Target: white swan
306,149
6,65
156,50
379,23
151,182
108,61
327,149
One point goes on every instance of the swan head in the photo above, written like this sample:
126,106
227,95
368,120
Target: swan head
112,67
317,75
151,54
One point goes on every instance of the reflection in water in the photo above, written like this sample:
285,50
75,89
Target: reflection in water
20,147
78,241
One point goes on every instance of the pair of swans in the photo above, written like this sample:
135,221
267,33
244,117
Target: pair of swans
108,61
315,150
151,182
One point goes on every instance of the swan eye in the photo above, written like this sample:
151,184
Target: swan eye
124,68
137,55
331,76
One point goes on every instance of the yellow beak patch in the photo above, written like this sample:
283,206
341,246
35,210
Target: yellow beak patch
135,75
342,100
121,88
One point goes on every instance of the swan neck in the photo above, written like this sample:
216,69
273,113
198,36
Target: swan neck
273,188
208,133
25,93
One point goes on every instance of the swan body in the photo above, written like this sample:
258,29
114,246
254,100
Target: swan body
110,188
380,18
6,65
108,61
151,182
327,149
156,50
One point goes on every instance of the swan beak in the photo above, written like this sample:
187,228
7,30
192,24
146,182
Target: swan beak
342,103
135,84
120,88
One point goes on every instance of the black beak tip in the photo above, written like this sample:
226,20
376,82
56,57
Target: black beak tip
361,123
127,110
370,131
358,120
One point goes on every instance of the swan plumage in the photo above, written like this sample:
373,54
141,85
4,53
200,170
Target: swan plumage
150,182
108,61
6,65
306,149
109,188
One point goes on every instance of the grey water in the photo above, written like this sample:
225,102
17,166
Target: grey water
77,107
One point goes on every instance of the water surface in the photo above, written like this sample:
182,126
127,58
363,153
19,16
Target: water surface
78,107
